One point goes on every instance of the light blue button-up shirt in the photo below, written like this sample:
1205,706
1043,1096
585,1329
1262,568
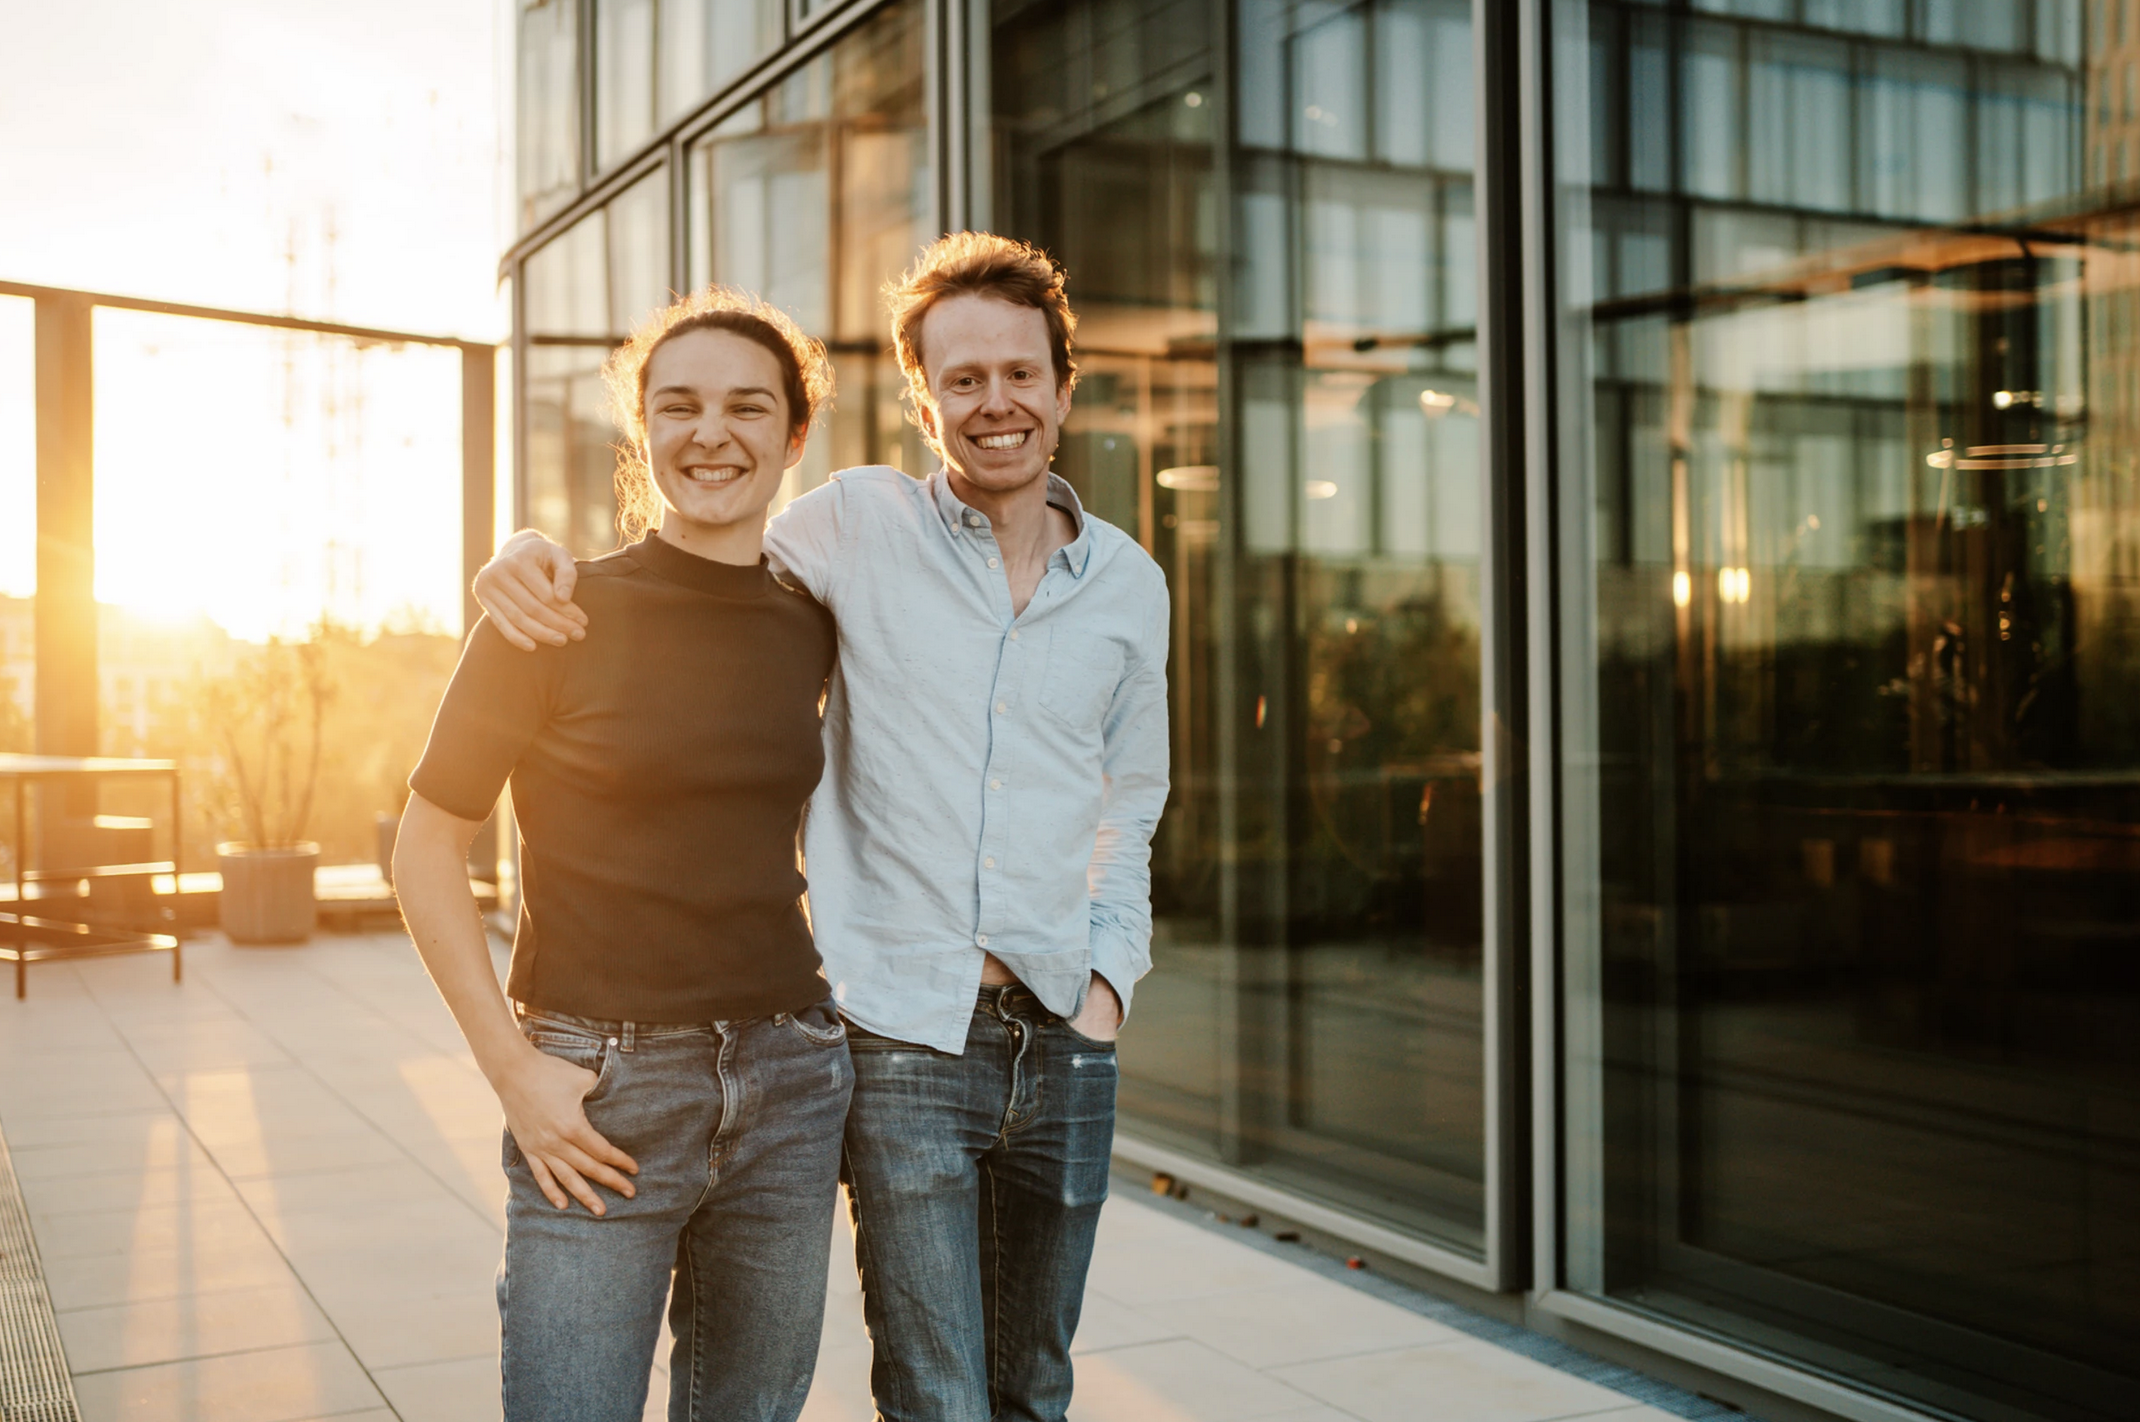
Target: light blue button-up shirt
991,782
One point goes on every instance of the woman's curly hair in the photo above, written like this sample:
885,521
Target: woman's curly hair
805,368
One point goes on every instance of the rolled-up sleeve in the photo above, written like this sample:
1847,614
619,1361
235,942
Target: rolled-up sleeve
1134,762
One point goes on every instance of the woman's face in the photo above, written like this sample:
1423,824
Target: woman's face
717,428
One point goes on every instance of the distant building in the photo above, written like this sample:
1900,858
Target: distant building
1654,532
144,666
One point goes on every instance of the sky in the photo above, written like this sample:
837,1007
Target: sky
344,162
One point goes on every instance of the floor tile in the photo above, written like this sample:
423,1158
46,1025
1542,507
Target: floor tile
274,1385
186,1224
1305,1321
164,1146
96,1281
1187,1268
464,1390
1176,1381
1107,1324
393,1333
1471,1381
74,1194
195,1326
380,1181
30,1132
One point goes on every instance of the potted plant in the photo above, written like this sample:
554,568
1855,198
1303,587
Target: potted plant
268,719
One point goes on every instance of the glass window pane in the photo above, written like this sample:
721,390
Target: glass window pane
814,196
18,529
548,147
706,43
1852,614
623,78
1313,1009
585,290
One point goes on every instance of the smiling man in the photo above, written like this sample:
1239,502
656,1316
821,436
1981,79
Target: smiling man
979,851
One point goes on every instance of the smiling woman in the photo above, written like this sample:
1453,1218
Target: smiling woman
715,396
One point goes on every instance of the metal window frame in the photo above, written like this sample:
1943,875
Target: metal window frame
673,142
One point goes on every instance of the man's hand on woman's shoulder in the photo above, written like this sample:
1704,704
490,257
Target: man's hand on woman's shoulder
527,591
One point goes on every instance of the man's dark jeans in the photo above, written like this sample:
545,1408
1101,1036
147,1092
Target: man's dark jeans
976,1183
736,1129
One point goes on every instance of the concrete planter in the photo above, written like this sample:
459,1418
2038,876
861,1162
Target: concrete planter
267,893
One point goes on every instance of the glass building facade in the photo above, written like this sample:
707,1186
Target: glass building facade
1651,499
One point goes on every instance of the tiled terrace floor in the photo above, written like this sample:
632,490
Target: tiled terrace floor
272,1194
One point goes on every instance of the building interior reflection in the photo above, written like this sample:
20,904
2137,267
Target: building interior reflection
1867,582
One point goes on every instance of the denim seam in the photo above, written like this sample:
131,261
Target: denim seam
698,1314
993,1310
872,1277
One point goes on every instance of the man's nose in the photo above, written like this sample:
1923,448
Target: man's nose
998,400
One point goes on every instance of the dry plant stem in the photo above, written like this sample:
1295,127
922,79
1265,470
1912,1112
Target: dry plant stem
259,722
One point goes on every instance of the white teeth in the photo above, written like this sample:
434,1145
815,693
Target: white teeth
1001,441
712,476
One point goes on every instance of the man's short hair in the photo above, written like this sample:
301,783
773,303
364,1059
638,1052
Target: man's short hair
980,264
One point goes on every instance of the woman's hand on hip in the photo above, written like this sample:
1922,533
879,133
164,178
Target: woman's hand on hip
567,1155
527,590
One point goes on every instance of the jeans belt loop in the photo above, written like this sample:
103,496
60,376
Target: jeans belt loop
631,1036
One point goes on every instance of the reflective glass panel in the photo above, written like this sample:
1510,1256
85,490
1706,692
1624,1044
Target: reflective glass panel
1359,830
813,196
584,291
623,77
1852,625
1103,154
548,147
1313,1013
706,43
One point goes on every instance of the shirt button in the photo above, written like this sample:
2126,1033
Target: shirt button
994,562
973,520
995,785
1002,706
989,863
1014,634
980,940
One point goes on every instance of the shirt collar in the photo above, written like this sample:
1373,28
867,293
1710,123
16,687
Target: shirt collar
1076,554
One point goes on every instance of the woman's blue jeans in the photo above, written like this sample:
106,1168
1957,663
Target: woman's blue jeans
736,1129
976,1183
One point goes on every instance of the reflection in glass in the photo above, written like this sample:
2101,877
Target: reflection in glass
705,43
1360,831
1854,828
623,77
1313,1012
813,197
585,290
1103,148
548,146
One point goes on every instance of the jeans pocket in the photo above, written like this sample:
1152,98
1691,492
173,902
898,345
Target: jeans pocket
1089,1043
588,1050
819,1024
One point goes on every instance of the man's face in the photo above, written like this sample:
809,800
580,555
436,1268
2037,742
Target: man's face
995,407
716,428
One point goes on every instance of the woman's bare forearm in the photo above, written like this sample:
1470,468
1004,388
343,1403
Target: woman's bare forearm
431,881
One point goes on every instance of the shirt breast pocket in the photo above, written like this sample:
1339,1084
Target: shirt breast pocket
1083,671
